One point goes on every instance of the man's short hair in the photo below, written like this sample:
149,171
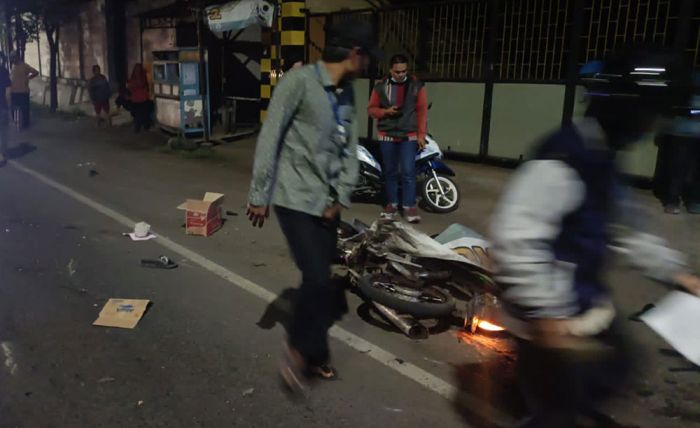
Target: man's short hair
335,54
398,59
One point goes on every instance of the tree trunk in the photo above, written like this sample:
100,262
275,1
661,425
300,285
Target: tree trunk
52,35
19,36
8,27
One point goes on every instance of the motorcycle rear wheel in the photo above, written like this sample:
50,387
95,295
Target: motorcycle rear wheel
429,302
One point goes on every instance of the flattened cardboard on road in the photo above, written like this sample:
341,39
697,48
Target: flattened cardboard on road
121,313
203,217
676,318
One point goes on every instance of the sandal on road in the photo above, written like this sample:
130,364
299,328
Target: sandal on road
324,372
163,262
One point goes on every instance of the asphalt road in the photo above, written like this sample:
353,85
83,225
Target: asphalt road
205,353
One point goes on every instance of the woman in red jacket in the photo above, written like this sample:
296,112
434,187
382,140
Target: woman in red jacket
140,98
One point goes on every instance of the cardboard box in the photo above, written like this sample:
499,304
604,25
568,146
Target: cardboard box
203,217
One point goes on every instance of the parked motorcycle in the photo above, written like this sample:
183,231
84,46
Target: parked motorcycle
409,276
438,191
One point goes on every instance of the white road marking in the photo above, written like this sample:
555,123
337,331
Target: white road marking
71,267
386,358
9,359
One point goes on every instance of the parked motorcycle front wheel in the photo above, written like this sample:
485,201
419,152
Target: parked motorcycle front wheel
440,194
429,302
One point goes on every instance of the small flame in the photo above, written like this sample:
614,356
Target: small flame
485,325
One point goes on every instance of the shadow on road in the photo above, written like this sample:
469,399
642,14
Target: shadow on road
489,396
280,310
20,150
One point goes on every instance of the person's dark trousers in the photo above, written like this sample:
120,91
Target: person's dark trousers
319,304
20,101
680,157
141,112
400,166
560,385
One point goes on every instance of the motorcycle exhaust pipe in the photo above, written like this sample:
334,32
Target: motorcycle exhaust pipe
406,323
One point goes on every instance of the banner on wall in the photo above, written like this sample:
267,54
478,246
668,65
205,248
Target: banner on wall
239,15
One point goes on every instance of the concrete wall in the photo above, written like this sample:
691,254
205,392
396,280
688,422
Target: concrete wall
82,44
521,115
455,117
94,30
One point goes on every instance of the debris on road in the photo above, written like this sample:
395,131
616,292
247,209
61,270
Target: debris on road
393,409
140,403
71,267
259,264
675,318
93,173
163,262
121,313
231,213
203,217
106,380
248,392
142,232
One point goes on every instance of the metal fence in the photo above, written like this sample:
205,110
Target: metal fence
533,38
612,23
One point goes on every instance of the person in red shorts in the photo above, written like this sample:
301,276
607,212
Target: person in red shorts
100,92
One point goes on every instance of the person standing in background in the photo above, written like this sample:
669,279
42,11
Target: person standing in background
400,105
100,92
20,76
4,111
140,98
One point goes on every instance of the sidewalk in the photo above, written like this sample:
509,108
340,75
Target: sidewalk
136,175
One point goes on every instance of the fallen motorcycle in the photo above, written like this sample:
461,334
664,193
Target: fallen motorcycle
409,276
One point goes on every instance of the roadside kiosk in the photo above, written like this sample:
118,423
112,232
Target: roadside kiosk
180,105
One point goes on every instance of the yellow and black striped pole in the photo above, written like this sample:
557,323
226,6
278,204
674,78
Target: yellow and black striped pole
283,45
293,32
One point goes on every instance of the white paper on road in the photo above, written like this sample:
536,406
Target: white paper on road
133,237
677,318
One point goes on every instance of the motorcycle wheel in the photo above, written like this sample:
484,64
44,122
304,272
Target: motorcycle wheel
441,195
430,302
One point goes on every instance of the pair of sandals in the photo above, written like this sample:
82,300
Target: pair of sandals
296,373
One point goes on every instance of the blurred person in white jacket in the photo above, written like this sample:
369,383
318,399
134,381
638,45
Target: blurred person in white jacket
551,233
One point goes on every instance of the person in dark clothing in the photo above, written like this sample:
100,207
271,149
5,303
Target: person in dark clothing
100,93
678,174
123,98
306,167
4,111
141,104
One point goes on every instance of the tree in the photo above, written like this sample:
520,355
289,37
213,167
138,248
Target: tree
47,16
